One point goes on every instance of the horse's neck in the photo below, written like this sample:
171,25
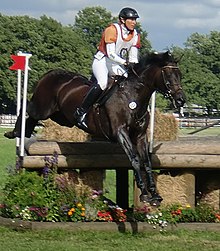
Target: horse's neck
150,78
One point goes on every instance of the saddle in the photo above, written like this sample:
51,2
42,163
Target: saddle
106,94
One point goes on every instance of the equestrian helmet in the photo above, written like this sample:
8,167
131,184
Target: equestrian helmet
128,13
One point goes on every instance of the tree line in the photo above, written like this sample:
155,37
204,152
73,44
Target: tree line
72,47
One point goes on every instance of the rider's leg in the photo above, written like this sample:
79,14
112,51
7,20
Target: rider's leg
100,71
88,101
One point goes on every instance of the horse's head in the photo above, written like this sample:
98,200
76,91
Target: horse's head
167,76
169,79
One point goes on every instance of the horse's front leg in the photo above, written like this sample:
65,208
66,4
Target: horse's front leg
142,148
130,150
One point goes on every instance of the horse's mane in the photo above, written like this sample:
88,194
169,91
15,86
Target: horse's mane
157,58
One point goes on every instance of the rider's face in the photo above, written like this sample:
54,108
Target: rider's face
130,23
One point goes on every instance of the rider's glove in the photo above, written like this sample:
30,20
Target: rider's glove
129,66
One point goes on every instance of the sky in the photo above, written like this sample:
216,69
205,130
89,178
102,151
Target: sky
168,22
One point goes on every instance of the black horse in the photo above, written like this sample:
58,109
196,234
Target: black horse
121,115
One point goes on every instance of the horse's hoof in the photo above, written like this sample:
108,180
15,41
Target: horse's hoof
155,203
10,135
144,198
155,200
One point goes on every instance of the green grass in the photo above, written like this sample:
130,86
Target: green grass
7,155
215,131
64,240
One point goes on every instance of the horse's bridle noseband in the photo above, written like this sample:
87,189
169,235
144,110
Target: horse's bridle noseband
167,93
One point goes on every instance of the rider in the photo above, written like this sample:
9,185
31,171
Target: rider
117,49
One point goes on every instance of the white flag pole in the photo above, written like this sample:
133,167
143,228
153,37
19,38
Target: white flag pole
152,118
18,103
24,103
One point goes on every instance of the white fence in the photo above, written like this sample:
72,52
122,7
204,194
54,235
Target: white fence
7,120
198,122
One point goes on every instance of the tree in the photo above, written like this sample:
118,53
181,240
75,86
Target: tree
201,69
52,46
92,21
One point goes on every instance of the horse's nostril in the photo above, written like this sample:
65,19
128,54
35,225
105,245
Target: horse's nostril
180,102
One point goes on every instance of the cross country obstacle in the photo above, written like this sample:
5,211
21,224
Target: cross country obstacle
189,168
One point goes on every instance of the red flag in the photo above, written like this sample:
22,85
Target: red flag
19,62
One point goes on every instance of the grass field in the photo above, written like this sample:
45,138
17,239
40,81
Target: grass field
7,155
64,240
215,131
108,241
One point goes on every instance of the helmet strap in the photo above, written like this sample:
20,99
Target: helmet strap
124,23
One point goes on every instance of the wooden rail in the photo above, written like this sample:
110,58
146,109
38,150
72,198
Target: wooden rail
105,155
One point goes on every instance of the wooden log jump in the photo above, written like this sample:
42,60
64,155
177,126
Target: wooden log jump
184,157
105,155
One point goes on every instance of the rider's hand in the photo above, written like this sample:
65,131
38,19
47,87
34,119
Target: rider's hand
129,66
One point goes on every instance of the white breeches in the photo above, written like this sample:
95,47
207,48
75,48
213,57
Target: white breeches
102,68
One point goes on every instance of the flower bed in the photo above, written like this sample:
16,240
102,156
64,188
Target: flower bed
53,197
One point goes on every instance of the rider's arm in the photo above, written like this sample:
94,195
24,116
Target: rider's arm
110,48
110,40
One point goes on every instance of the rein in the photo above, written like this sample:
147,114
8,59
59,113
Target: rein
167,84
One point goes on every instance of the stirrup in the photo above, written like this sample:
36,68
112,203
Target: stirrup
83,126
81,123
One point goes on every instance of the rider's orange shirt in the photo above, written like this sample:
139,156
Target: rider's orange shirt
110,35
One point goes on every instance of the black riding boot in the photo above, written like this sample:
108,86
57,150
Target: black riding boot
88,101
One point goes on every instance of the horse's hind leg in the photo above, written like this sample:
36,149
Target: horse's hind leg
125,142
142,148
29,127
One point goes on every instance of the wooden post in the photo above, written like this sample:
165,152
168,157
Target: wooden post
122,195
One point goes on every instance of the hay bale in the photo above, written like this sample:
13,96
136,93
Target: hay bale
72,182
211,198
53,131
93,178
166,127
177,188
208,188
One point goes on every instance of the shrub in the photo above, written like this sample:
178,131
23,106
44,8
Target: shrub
55,197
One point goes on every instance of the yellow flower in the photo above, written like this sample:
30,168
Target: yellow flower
82,214
71,211
79,205
83,209
188,206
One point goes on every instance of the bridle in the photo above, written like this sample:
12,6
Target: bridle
167,93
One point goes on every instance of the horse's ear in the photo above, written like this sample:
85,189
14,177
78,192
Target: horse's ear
179,58
167,54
